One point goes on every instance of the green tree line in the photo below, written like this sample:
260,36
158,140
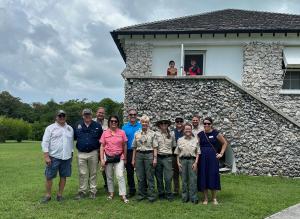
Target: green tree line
39,115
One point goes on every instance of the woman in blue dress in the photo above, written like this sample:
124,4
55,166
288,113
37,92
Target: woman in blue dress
208,170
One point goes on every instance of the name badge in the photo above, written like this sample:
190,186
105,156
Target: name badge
211,136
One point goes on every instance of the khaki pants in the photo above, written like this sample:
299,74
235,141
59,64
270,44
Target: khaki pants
87,167
118,168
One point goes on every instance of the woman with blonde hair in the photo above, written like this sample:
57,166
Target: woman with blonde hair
144,159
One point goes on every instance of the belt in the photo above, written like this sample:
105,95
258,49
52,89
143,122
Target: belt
164,156
187,158
145,152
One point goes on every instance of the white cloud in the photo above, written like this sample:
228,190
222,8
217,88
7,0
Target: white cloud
63,49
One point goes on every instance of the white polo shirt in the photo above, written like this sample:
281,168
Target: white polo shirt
58,141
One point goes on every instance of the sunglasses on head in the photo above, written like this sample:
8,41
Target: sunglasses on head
206,123
113,121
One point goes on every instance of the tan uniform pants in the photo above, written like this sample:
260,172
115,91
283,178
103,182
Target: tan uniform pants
87,167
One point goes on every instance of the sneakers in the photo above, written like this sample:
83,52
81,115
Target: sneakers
92,195
79,196
45,200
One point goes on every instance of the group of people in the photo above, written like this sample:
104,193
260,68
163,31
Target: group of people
193,70
191,151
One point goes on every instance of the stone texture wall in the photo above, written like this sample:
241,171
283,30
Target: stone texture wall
263,141
138,59
263,76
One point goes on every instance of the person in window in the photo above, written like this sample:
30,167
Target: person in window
208,167
172,71
194,69
113,155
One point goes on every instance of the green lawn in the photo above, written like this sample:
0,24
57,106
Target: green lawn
22,186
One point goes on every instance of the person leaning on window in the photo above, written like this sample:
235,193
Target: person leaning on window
144,159
172,71
194,69
113,155
208,168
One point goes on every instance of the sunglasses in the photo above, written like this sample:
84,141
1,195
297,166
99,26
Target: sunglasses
165,123
61,116
132,114
113,121
180,121
206,123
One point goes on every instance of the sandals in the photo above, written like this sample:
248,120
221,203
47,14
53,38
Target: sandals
125,200
215,202
205,202
110,197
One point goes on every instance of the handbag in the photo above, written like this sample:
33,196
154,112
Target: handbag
113,159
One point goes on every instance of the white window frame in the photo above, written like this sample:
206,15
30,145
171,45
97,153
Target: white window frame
195,52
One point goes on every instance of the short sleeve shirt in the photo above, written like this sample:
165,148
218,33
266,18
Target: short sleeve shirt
144,141
164,144
187,147
113,142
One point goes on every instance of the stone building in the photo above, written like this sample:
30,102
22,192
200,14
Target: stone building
249,82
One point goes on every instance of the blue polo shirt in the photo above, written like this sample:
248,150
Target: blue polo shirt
87,137
130,130
178,134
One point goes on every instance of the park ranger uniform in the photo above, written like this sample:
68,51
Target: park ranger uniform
188,150
144,144
164,171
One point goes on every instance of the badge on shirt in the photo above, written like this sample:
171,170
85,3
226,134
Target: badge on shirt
211,136
79,126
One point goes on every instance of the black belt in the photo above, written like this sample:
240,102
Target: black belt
145,152
187,158
164,156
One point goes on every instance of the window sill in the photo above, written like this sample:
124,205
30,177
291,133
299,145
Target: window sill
290,91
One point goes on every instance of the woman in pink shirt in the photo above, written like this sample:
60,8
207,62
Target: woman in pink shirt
113,153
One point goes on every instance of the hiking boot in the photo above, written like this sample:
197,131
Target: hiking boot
45,200
92,195
79,196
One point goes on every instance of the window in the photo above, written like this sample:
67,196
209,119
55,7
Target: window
291,79
196,55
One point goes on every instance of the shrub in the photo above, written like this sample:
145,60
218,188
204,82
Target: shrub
14,129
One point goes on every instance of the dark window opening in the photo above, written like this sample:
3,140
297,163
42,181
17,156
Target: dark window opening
291,80
197,57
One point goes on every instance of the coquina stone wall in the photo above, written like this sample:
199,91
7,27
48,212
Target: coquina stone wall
263,75
263,140
138,59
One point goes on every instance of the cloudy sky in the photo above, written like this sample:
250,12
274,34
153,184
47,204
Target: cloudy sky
62,49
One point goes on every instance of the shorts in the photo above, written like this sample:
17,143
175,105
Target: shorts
64,167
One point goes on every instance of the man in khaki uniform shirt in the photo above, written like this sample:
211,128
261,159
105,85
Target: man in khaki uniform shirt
164,171
144,158
188,151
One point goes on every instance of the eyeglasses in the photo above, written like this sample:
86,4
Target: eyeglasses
132,114
165,123
61,116
206,123
113,121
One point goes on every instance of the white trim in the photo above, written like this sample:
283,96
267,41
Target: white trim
291,57
290,91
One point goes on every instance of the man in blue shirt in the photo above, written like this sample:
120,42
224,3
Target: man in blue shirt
178,132
130,129
87,132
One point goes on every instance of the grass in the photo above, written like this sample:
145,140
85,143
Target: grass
22,186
